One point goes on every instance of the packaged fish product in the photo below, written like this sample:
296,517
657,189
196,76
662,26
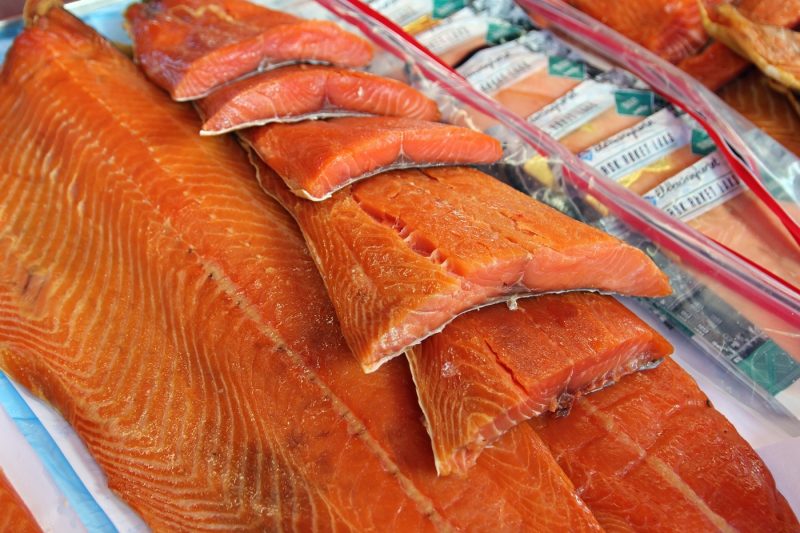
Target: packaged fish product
317,158
655,149
528,73
302,92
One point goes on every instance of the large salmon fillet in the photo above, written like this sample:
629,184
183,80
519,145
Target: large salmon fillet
189,47
299,92
652,454
14,515
405,252
491,369
170,310
317,158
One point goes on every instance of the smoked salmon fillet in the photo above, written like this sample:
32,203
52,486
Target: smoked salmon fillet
652,454
317,158
491,369
405,252
300,92
190,47
170,310
15,517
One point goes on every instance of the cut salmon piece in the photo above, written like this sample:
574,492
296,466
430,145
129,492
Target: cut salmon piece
673,29
652,454
714,66
181,327
190,47
317,158
772,112
15,515
493,368
773,49
405,252
300,92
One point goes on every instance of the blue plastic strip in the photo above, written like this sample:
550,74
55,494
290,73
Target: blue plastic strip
76,493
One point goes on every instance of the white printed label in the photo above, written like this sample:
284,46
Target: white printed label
458,28
402,12
574,109
498,67
697,189
637,147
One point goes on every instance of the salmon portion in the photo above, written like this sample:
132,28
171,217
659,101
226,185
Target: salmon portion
673,29
14,515
534,92
190,47
405,252
493,368
181,327
752,96
317,158
652,454
608,123
299,92
643,179
773,49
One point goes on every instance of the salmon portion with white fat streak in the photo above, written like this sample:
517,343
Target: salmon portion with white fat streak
171,312
190,47
317,158
652,454
298,92
491,369
405,252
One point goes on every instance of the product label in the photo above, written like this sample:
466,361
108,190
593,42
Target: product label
566,68
445,8
697,189
633,102
495,68
716,327
574,109
500,31
402,12
454,31
637,147
701,142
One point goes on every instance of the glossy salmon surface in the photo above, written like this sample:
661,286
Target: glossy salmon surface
299,92
14,515
169,309
493,368
190,47
405,252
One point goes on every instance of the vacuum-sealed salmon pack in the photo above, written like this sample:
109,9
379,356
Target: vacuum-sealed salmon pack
374,320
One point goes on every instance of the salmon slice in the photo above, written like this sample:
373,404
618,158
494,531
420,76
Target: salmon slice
405,252
773,49
15,516
752,96
533,92
190,47
493,368
642,180
301,92
715,66
606,124
652,454
673,29
181,327
317,158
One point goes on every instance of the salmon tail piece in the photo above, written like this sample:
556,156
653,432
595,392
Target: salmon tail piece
405,252
493,368
652,450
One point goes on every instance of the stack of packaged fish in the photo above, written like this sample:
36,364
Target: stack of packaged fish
278,329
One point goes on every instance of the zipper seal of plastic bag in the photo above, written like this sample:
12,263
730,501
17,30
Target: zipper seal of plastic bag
693,248
693,98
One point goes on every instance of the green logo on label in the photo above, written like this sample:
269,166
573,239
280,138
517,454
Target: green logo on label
702,143
771,367
634,103
444,8
566,68
500,32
